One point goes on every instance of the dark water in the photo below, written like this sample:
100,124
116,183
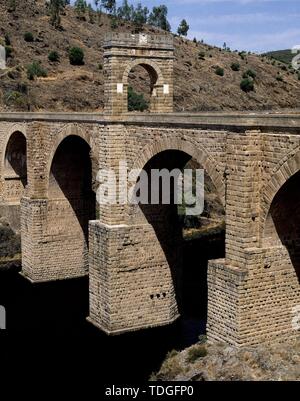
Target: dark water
44,319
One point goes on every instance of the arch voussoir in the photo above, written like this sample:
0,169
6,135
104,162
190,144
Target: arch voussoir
286,170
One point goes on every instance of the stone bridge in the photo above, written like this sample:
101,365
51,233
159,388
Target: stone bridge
132,253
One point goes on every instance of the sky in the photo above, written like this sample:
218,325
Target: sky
252,25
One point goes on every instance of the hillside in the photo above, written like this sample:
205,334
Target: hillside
80,88
284,56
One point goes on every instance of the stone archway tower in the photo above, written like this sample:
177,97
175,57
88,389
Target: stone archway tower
122,52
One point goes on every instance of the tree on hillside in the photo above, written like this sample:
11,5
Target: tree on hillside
140,16
109,5
125,11
158,18
55,8
80,8
183,28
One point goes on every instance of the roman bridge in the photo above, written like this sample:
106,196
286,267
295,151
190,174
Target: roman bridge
48,172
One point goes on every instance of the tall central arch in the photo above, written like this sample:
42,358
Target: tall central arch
138,274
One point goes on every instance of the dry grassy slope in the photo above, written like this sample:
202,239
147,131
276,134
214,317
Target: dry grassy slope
66,88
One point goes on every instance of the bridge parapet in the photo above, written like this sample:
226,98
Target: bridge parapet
114,39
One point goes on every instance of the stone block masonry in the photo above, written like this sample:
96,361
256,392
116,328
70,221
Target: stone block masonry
132,253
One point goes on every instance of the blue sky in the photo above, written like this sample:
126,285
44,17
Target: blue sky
256,25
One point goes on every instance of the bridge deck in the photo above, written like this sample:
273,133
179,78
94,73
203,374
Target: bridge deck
214,120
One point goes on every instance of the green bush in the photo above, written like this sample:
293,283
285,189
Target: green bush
28,37
251,74
247,85
201,56
35,69
235,66
7,40
136,102
15,98
8,51
196,353
220,71
76,56
53,56
279,78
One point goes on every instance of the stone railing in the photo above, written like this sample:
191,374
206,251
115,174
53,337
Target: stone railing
113,39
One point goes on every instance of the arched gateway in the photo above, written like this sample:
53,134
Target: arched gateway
130,253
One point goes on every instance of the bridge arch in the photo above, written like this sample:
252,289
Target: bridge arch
281,218
14,165
71,202
151,67
284,172
156,82
60,137
179,248
198,153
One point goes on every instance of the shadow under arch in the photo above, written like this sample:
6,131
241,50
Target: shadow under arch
70,183
15,158
186,272
196,152
282,224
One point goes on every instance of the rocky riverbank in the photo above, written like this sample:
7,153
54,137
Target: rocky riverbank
221,362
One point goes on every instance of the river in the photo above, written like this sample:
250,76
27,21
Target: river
41,315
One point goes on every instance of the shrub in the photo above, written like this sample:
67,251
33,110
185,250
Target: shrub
279,78
299,76
114,23
15,98
76,56
136,102
202,339
53,56
171,354
235,66
7,40
8,51
196,353
201,56
100,66
35,70
247,85
28,37
220,71
251,74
